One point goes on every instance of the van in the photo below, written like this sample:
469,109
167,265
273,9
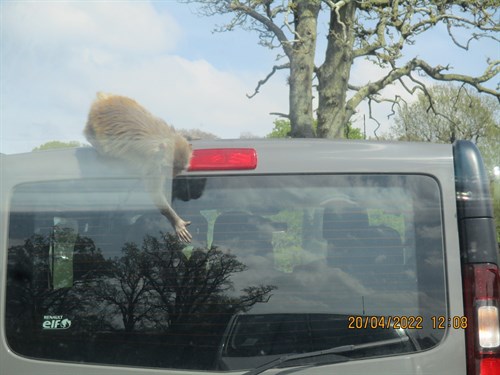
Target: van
308,256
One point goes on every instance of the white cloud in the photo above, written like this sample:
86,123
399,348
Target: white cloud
126,26
194,94
58,55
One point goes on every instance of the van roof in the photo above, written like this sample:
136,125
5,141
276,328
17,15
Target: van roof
274,156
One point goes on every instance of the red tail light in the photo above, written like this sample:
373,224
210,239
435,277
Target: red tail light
482,303
216,159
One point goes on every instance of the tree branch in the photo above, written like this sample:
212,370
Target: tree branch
379,43
263,81
336,6
236,6
372,88
373,118
436,73
284,115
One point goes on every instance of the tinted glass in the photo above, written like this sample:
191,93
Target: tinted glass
278,264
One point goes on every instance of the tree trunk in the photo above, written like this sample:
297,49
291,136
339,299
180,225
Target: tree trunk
302,68
333,75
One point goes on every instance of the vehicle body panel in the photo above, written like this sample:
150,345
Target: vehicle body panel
274,157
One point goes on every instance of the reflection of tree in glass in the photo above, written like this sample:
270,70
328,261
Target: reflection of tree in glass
30,292
180,304
194,301
126,289
29,274
156,305
193,288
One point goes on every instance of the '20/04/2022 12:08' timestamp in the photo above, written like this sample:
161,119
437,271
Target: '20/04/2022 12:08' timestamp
405,322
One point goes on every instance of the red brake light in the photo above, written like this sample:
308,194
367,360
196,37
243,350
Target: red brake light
482,308
217,159
490,366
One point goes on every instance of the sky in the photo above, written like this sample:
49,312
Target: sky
56,55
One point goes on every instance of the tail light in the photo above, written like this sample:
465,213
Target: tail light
482,303
216,159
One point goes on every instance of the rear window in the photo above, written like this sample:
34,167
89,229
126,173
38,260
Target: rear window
279,264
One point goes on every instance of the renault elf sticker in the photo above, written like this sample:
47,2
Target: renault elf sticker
55,322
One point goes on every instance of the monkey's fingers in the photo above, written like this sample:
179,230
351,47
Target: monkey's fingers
182,231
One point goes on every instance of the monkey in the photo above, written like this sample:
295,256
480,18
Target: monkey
119,127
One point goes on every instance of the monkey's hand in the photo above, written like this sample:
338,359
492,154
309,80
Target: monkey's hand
177,223
182,232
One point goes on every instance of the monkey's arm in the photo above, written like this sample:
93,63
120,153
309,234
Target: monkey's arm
178,224
155,184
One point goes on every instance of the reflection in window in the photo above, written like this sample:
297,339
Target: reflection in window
276,266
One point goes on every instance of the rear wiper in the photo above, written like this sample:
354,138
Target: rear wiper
338,349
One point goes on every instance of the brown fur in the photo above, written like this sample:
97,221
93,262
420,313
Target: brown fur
120,127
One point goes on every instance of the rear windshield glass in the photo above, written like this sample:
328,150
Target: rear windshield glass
278,265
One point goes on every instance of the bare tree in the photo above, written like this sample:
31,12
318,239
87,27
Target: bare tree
193,134
461,114
189,287
127,290
377,30
458,114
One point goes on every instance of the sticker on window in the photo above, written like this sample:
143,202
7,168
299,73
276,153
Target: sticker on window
55,322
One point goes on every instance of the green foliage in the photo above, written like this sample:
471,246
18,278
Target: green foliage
282,129
352,133
58,144
379,217
287,245
446,114
456,113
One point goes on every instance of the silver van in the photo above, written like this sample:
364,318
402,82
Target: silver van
309,257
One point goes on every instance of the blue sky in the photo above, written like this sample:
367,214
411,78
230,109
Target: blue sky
56,55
